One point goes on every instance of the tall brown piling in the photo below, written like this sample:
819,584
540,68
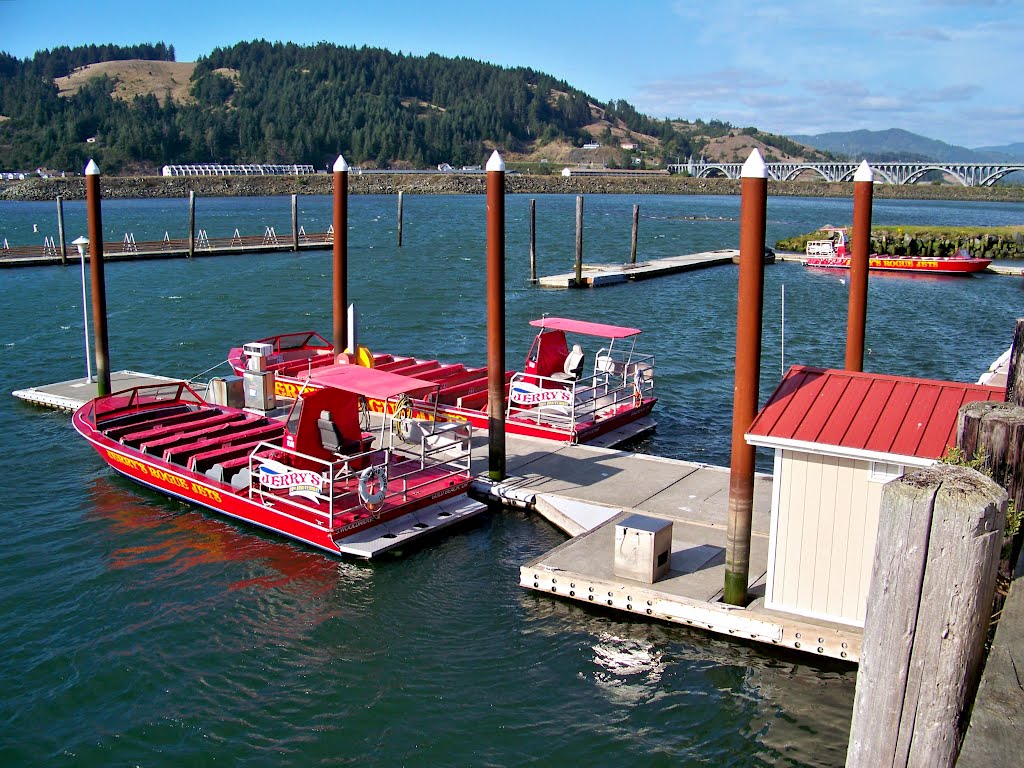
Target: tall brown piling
401,198
753,210
99,289
533,241
295,223
636,228
496,317
340,272
60,230
579,241
863,191
191,223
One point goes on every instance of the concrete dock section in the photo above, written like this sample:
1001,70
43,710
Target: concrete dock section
597,275
590,492
74,393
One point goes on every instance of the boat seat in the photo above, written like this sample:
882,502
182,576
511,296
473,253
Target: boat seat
573,365
330,436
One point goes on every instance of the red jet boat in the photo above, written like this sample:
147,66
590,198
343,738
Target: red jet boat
309,472
565,392
835,254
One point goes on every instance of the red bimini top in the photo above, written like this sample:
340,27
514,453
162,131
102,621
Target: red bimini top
585,328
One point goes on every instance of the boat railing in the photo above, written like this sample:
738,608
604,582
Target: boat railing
619,380
332,488
821,248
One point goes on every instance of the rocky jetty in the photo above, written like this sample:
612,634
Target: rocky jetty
114,187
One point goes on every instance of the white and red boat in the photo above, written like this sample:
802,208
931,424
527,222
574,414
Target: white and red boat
565,392
835,254
308,471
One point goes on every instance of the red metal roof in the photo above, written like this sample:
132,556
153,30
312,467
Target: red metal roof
586,328
866,412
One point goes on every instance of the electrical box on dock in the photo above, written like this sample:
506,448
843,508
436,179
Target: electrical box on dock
229,391
259,390
643,548
256,355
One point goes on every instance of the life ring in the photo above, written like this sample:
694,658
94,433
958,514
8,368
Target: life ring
401,418
375,475
638,393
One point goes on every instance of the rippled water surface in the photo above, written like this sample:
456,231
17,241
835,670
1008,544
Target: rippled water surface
139,630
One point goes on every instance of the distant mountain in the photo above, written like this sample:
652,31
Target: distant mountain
1008,152
896,145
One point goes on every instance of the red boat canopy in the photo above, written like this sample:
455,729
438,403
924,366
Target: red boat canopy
585,328
369,382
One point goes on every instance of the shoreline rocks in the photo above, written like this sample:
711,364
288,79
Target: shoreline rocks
114,187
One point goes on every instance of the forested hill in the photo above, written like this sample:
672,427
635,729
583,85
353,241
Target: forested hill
258,102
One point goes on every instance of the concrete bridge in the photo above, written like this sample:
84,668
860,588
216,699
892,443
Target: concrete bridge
968,174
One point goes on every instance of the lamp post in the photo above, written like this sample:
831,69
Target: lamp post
80,242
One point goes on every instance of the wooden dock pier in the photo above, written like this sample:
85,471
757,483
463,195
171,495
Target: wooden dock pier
597,275
170,248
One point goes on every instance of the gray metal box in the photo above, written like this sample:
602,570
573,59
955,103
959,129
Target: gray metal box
259,390
229,391
643,548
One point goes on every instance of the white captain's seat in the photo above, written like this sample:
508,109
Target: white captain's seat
573,365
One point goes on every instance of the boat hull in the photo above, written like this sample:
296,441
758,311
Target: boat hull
322,523
943,266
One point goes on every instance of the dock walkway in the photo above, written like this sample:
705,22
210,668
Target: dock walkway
596,275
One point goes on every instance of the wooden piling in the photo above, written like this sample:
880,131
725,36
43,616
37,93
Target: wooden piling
753,215
579,241
99,289
863,190
929,606
191,223
995,432
1015,373
340,255
533,241
400,200
636,228
295,223
60,230
496,317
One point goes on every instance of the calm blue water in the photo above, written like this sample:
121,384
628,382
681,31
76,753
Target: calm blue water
140,631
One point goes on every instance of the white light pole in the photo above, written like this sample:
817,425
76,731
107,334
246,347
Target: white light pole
80,242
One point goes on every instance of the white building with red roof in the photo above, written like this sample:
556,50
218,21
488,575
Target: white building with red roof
838,437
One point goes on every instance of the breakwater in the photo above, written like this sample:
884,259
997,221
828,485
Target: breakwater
929,242
141,187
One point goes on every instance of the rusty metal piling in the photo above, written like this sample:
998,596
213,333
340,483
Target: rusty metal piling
340,271
496,316
99,290
863,191
753,210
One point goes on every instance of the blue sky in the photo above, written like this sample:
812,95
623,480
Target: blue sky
946,69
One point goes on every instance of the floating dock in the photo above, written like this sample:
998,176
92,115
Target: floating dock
73,394
588,491
597,275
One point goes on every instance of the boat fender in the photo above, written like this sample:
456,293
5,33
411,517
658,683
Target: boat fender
375,475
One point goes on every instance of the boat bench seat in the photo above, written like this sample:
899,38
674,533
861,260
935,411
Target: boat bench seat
294,367
181,454
396,364
160,438
418,368
201,462
221,463
118,426
206,417
453,394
